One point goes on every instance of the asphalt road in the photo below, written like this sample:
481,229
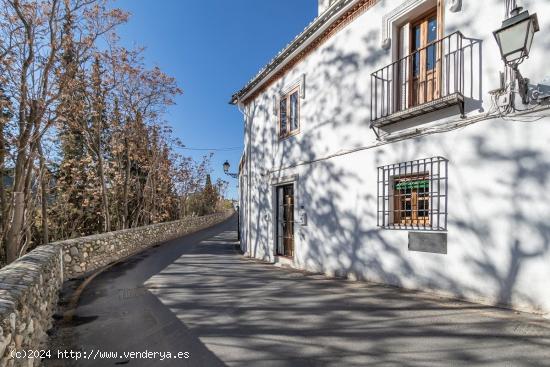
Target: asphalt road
198,295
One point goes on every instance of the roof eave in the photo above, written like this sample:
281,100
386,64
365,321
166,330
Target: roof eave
308,35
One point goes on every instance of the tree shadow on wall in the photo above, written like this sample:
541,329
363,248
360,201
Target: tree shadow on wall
345,239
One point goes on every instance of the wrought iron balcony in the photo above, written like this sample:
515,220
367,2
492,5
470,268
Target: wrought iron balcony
441,74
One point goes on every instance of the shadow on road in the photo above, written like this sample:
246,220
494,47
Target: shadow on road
197,294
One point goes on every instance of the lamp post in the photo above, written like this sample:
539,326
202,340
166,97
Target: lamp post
514,39
515,36
226,167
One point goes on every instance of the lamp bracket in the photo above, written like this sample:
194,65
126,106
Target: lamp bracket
516,11
538,92
234,175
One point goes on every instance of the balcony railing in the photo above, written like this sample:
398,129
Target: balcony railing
441,74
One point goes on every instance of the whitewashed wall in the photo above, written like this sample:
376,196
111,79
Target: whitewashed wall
499,173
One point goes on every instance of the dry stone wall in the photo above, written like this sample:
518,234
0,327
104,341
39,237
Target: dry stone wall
29,287
85,254
28,297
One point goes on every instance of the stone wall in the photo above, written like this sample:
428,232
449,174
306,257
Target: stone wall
85,254
29,286
28,297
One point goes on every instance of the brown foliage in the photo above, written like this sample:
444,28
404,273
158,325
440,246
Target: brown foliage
83,147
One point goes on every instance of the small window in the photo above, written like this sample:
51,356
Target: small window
413,195
289,113
411,200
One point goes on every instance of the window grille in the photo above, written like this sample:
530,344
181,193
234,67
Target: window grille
413,195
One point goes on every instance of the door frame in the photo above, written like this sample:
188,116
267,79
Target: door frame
422,95
405,44
278,189
275,182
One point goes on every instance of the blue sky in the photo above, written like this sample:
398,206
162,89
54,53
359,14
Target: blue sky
212,47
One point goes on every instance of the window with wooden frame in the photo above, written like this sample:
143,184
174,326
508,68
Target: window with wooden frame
289,113
413,195
411,200
420,57
425,70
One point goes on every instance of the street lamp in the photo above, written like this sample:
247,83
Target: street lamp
514,39
226,167
515,36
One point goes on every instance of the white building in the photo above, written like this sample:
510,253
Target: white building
383,144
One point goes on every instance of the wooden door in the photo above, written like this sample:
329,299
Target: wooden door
285,221
425,60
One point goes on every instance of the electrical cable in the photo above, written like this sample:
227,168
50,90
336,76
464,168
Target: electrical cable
213,149
419,133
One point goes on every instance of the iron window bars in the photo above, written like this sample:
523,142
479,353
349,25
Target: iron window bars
441,74
413,195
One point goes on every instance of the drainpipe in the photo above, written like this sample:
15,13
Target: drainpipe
249,191
242,109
